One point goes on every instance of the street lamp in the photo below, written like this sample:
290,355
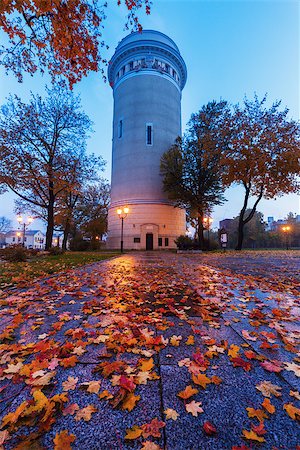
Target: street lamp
207,221
122,213
25,225
286,229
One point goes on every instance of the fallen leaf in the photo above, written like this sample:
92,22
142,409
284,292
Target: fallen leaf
148,445
253,436
268,389
63,440
93,387
194,408
209,428
153,428
233,350
258,413
268,406
130,401
70,384
190,340
201,379
271,367
292,411
133,433
85,413
188,392
70,409
171,414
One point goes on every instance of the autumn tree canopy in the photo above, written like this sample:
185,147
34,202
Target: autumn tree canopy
263,156
191,169
42,156
63,37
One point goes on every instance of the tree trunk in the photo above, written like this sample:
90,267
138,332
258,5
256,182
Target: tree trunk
50,226
66,235
200,230
240,232
50,218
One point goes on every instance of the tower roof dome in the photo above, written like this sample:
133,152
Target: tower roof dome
147,35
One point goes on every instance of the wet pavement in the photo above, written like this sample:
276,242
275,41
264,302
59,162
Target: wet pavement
95,357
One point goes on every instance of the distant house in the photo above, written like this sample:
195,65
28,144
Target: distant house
33,239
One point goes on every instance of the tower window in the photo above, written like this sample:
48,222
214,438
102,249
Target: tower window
166,242
120,128
149,134
160,242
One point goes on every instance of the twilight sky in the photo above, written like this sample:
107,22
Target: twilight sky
231,49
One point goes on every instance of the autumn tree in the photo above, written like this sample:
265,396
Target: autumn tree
191,169
92,210
63,37
263,156
42,144
5,224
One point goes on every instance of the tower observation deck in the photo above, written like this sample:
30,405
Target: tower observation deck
147,74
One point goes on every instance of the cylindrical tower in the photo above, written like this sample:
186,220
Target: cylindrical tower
147,74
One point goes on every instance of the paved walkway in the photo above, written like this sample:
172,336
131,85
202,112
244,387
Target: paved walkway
150,351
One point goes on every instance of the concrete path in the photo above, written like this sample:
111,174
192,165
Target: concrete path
150,351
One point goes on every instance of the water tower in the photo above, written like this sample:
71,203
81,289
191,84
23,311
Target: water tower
147,74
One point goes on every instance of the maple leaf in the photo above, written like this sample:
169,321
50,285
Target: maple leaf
201,379
271,367
258,413
79,351
216,380
268,389
171,414
146,365
93,387
188,392
70,384
233,351
13,368
251,435
70,409
63,440
142,377
190,340
41,381
69,362
295,394
175,340
292,411
247,336
134,432
292,367
148,445
130,401
240,362
268,406
4,436
126,383
105,394
153,428
194,408
85,413
259,429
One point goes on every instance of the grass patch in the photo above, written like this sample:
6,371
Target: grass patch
21,273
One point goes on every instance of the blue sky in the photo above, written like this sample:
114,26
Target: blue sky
231,48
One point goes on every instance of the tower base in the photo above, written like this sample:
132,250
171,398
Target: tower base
146,227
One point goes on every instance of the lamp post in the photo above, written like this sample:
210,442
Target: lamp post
286,229
122,213
25,225
207,221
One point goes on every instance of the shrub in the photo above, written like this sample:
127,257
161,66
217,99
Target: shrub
15,253
79,245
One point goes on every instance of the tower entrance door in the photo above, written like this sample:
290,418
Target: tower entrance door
149,241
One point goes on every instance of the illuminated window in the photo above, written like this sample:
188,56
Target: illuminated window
149,134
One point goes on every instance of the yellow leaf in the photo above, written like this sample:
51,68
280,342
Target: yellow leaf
233,351
105,394
253,436
146,365
130,401
134,432
190,340
175,340
201,379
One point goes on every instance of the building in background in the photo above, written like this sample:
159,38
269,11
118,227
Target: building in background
33,239
147,74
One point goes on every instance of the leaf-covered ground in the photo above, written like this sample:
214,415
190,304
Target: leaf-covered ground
154,351
21,274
